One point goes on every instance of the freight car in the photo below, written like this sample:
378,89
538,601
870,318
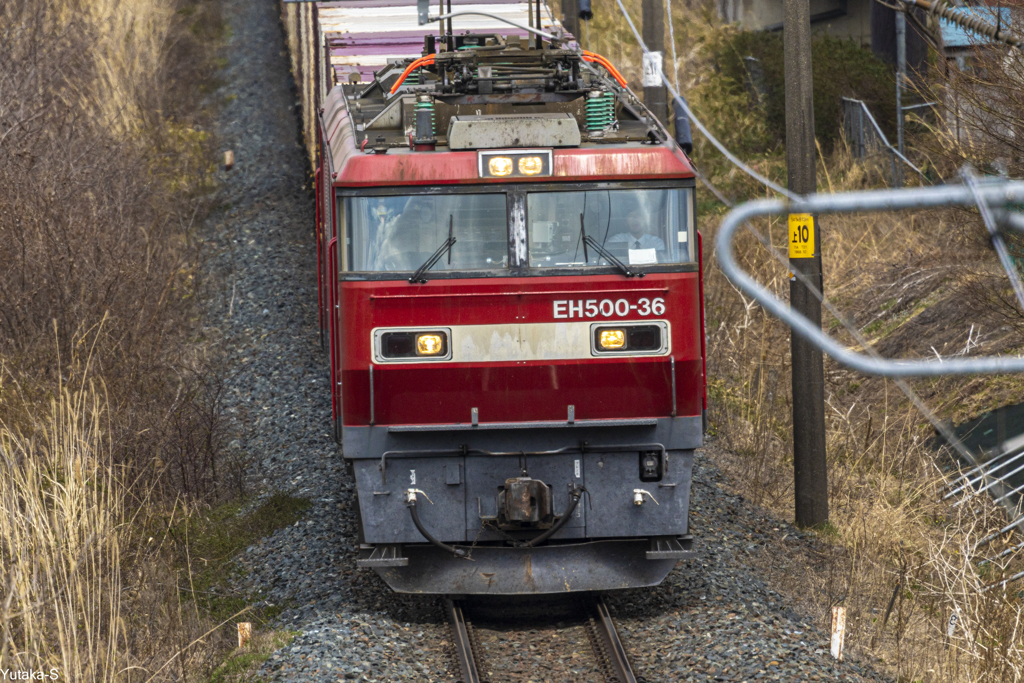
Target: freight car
510,294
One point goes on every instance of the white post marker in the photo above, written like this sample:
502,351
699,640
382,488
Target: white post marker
953,618
244,633
838,631
652,69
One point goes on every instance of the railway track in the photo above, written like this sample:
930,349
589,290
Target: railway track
570,639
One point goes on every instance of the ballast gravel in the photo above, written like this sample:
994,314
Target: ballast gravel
713,619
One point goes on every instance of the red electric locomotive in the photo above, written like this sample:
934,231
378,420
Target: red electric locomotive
511,289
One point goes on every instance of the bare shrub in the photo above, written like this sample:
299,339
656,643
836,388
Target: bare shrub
898,556
981,109
99,195
105,173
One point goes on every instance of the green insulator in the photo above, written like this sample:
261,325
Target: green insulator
426,102
600,112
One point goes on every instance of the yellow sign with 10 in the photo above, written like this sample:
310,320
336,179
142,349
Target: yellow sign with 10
801,235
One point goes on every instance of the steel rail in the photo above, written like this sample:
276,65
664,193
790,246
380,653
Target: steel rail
1007,495
463,643
996,194
1018,575
608,646
994,480
1008,551
996,534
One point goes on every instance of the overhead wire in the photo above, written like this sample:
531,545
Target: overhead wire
736,161
997,239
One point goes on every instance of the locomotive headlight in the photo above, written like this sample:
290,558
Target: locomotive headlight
411,346
500,166
429,344
629,339
531,165
515,163
612,339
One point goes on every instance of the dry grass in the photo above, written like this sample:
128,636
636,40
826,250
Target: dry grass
86,592
979,114
110,424
902,282
899,557
62,530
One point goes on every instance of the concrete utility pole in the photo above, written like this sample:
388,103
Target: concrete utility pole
571,17
810,475
655,95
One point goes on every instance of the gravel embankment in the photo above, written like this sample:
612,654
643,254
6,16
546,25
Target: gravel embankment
277,387
714,619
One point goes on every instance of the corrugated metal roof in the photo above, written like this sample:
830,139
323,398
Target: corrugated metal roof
955,36
365,34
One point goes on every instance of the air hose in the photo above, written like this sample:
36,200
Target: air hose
410,502
574,499
416,64
589,56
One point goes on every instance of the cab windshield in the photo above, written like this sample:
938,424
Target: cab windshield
625,227
635,226
400,233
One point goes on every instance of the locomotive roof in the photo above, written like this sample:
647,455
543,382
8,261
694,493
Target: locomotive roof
484,91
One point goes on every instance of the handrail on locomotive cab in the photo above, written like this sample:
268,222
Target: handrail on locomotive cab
988,193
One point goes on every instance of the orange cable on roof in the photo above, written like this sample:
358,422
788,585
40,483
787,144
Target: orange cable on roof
603,61
417,63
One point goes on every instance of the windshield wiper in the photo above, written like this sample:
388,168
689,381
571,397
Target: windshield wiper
417,277
588,240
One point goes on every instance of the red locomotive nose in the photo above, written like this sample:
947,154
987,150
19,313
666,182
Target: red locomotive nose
531,352
510,288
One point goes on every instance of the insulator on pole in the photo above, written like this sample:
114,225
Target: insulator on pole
682,125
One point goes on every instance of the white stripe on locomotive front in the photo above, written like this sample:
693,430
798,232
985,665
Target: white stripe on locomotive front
529,342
